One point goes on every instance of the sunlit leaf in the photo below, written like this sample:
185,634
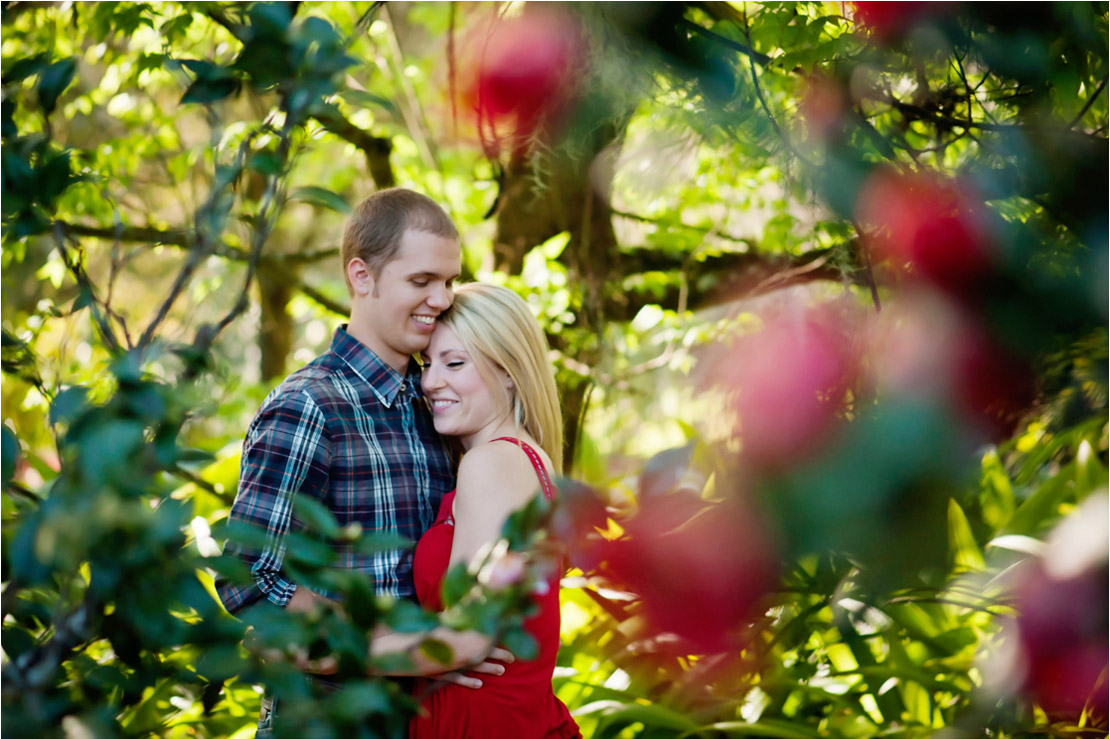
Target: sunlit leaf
962,547
53,82
321,196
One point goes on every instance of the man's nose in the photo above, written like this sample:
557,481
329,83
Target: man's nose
441,297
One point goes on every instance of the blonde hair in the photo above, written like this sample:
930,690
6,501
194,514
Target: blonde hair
499,331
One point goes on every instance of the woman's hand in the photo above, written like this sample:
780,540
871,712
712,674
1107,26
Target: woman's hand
469,651
488,667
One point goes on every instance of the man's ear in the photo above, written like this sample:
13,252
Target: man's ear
360,277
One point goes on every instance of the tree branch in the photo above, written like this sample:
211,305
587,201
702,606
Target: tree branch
323,300
725,277
375,148
182,239
751,53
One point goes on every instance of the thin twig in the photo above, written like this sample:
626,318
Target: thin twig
452,72
100,311
200,482
868,271
685,226
1090,102
763,102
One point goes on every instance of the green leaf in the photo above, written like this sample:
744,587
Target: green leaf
316,30
21,69
7,119
521,644
176,26
653,715
209,90
321,196
437,651
456,583
270,20
68,404
962,547
409,618
368,100
53,82
308,552
83,300
380,541
316,516
773,728
360,603
1041,507
996,498
1089,473
553,247
9,456
54,177
266,162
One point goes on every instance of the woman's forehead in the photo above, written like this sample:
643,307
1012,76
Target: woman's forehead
444,339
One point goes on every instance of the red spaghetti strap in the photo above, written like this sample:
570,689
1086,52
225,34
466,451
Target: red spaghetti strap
537,463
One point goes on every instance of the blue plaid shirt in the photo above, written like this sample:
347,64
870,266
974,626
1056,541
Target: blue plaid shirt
352,433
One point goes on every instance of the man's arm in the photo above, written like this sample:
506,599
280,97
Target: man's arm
286,454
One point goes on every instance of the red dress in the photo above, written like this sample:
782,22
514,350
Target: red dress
519,704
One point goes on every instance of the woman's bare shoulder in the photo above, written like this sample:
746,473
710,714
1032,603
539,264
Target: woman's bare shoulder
497,467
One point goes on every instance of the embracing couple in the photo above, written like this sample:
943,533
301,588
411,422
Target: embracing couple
362,430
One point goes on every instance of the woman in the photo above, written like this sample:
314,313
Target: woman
490,385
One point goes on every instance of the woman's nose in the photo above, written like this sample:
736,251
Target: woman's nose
430,379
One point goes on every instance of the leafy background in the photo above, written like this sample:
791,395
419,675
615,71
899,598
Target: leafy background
826,289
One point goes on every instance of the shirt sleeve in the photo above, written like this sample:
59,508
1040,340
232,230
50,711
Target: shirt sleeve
286,453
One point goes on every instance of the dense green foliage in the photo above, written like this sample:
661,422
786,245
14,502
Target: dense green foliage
826,288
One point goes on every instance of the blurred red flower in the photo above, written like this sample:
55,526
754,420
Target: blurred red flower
822,108
1062,626
889,20
926,345
926,227
700,570
994,386
790,380
519,74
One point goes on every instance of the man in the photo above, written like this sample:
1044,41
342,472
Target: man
351,429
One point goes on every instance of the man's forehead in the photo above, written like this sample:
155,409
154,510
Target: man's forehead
421,252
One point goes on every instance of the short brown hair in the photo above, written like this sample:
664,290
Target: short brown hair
374,230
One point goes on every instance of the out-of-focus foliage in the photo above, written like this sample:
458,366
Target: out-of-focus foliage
826,287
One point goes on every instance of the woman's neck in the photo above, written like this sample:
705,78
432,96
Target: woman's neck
506,427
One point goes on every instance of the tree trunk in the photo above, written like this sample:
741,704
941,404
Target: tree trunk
572,196
275,336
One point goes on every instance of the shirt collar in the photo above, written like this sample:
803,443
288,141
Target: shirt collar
385,381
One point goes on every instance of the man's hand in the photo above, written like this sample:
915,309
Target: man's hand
304,600
489,667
